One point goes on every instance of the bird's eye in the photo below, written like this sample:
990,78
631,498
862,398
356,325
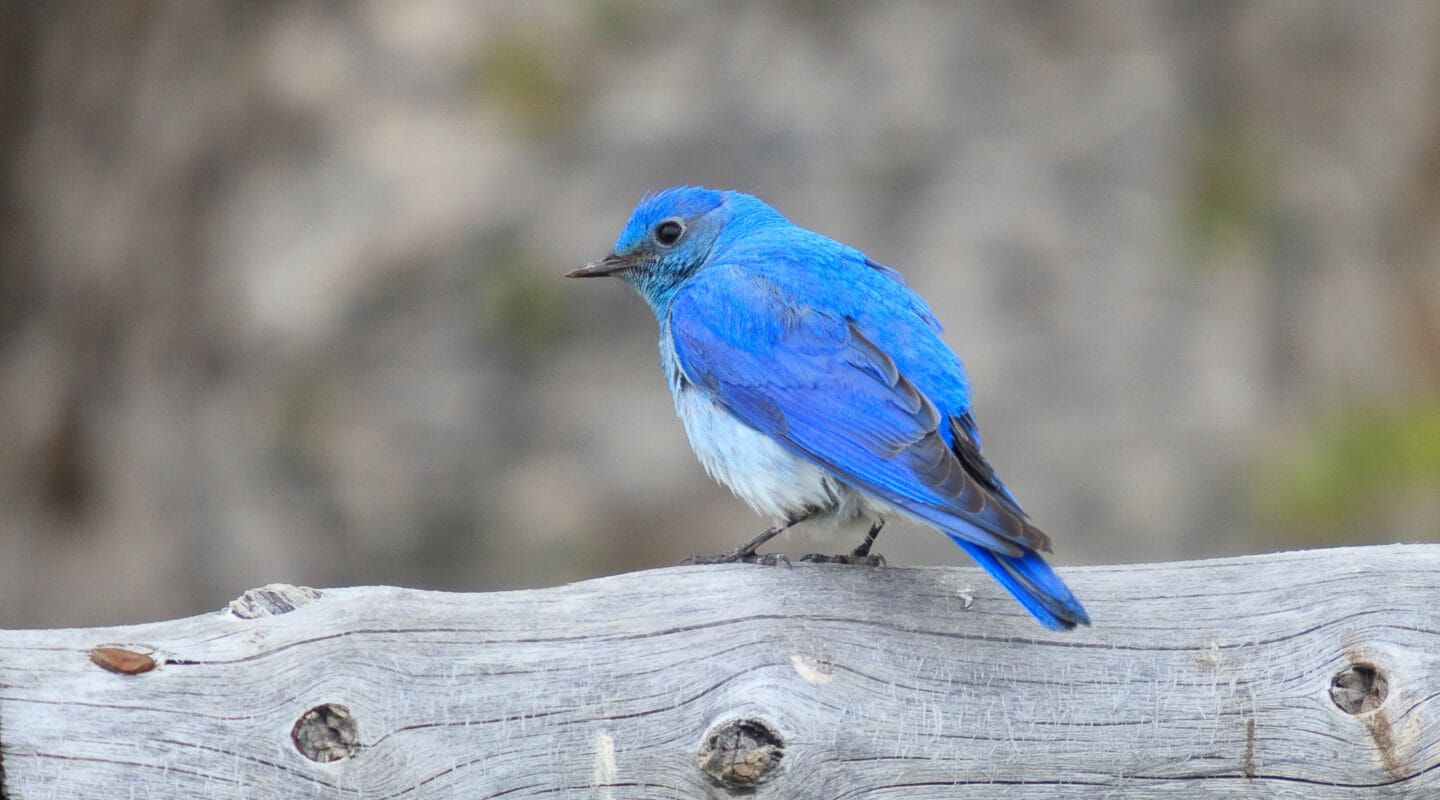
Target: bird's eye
668,232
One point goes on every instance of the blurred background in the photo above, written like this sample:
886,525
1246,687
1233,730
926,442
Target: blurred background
280,293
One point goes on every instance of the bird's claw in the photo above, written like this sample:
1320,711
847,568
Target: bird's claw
739,556
856,559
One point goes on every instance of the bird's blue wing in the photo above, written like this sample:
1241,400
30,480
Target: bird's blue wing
815,382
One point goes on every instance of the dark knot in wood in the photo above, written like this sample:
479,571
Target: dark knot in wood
326,733
123,660
1359,688
741,753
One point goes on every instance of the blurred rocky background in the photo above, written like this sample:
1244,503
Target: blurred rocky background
280,293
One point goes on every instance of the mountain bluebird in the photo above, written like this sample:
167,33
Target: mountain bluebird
815,384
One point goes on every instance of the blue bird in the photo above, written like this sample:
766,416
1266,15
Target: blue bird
815,385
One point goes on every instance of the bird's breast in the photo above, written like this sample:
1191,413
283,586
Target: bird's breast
767,475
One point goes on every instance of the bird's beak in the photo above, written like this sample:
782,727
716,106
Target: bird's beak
609,265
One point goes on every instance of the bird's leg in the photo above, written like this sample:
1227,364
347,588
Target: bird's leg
746,554
860,555
862,550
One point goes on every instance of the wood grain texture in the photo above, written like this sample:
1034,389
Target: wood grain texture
1212,679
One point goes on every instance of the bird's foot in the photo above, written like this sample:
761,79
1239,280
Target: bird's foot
739,555
745,553
857,559
860,556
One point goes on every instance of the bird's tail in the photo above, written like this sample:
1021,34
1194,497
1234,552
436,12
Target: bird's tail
1033,583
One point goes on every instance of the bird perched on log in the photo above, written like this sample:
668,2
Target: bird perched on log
815,385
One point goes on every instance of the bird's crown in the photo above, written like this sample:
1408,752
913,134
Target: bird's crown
683,202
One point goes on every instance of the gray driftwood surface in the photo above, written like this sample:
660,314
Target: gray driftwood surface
1307,675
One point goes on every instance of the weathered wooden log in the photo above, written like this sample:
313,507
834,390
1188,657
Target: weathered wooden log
1305,675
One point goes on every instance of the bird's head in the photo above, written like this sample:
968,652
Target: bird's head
669,237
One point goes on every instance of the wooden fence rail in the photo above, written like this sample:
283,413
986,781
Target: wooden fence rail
1298,675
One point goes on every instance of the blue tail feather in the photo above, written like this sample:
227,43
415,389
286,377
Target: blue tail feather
1033,583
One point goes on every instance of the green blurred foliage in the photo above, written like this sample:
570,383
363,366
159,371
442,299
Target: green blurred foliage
522,300
620,20
1348,469
530,81
1229,199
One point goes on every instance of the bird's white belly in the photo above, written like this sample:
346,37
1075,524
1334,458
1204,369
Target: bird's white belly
759,470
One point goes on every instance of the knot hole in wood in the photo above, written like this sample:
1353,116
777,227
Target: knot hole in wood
326,732
741,753
1359,688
